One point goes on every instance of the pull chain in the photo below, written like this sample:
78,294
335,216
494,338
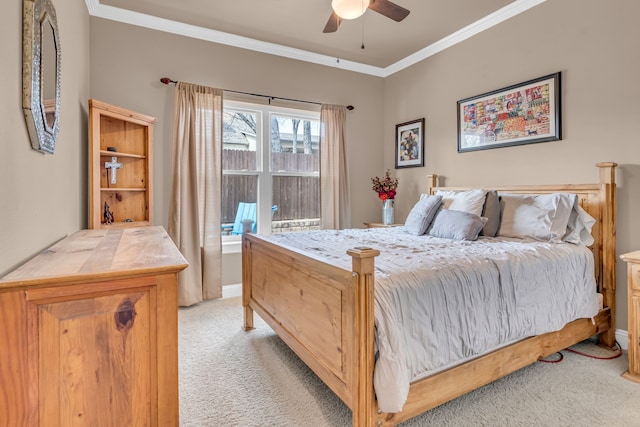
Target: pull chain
362,46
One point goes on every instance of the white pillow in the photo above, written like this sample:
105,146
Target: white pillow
541,217
579,226
422,214
471,201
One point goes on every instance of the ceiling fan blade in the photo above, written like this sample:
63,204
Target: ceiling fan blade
332,24
389,9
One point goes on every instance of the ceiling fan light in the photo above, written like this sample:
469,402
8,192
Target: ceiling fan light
349,9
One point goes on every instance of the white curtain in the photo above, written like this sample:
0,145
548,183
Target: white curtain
334,179
194,208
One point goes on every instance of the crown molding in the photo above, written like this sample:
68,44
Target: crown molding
99,10
469,31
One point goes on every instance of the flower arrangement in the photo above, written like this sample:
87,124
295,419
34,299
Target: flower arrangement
385,187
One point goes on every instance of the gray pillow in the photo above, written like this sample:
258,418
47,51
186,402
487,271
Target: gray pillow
457,225
491,211
422,214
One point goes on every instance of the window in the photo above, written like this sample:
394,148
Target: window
271,168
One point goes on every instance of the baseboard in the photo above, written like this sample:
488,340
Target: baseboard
623,339
231,291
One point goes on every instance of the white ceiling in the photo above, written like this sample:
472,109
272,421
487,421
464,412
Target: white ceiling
293,28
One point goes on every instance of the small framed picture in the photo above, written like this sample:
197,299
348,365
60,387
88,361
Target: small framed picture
410,144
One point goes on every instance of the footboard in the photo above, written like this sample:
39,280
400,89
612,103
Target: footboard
324,313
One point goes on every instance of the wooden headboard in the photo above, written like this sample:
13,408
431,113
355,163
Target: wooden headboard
599,200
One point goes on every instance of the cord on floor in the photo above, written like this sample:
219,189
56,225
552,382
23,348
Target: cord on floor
560,356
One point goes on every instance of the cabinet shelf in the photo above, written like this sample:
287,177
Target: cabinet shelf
106,153
123,188
126,224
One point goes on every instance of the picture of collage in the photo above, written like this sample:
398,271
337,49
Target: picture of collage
507,117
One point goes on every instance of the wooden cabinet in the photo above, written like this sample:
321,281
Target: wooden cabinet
633,278
89,332
120,167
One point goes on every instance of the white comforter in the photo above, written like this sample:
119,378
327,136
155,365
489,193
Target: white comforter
439,302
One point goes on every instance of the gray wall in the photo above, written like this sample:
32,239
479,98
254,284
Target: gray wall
43,198
595,46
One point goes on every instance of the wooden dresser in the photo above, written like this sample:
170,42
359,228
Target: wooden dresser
633,278
88,332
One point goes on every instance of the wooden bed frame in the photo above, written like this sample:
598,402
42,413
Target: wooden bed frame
325,313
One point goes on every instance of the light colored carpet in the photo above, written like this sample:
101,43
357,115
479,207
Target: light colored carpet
229,377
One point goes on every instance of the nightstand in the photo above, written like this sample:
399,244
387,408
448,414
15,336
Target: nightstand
633,283
380,225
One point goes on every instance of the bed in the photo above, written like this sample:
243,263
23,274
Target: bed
325,312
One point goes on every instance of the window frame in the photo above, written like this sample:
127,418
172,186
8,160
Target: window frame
263,172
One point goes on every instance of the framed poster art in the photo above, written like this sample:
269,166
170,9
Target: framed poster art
410,144
525,113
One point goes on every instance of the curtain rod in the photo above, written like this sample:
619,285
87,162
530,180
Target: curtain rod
167,80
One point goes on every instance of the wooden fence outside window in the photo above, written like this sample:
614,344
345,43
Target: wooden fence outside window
296,197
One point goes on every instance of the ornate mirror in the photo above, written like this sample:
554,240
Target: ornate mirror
41,74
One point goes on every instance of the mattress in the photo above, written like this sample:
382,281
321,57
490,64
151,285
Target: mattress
439,302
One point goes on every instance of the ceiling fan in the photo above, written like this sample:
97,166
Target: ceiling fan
351,9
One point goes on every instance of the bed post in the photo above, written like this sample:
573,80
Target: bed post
432,181
608,229
246,277
363,405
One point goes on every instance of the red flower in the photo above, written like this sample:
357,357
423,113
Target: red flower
385,187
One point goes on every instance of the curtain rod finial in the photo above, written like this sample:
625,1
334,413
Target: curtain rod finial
350,107
167,80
